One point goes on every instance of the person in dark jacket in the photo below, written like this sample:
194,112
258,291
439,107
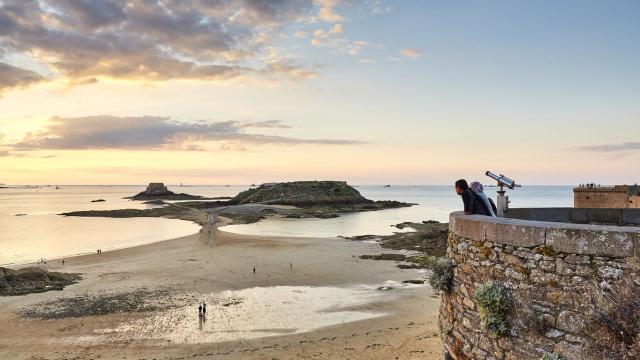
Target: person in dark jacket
473,204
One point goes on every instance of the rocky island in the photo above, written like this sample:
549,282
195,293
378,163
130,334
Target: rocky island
158,191
299,199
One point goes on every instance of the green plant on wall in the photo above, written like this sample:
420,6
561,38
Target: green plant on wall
441,272
492,301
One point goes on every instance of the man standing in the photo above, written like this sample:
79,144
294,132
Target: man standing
204,309
473,204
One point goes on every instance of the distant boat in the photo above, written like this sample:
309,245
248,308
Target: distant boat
57,187
387,186
98,200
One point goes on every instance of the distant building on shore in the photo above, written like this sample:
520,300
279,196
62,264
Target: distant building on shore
596,196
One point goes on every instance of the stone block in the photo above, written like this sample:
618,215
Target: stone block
571,322
514,233
569,351
513,260
469,226
553,333
608,272
577,259
562,268
591,240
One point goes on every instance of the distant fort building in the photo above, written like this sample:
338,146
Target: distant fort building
596,196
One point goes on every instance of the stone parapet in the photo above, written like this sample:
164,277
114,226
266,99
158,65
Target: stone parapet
565,283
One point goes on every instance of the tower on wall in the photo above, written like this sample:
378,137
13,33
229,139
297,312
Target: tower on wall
616,197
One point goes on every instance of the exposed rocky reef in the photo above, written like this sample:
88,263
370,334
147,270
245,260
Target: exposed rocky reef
158,191
33,280
134,301
429,237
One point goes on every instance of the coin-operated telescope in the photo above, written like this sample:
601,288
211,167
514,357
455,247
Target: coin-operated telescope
502,202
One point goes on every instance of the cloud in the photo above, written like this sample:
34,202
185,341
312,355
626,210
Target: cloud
153,132
301,34
379,7
412,53
7,153
82,41
272,124
13,77
609,148
333,38
328,10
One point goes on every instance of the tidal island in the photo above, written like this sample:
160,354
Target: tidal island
299,199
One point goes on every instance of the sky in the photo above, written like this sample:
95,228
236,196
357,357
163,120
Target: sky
368,91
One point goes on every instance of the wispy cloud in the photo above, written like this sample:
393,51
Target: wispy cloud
328,10
412,52
13,77
335,39
153,132
82,41
379,7
273,124
609,148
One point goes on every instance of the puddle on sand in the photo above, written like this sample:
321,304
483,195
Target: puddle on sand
252,313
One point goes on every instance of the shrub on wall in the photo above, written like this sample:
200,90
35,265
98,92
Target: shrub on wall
492,301
441,273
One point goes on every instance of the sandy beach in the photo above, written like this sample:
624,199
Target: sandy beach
309,298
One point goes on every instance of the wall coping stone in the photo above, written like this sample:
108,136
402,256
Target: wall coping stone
583,239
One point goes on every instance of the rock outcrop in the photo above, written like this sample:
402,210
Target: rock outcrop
303,194
158,191
33,280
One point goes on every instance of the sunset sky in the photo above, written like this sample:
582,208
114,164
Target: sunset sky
370,91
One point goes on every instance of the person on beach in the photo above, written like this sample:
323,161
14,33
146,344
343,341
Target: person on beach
473,204
200,310
62,262
254,270
477,187
204,309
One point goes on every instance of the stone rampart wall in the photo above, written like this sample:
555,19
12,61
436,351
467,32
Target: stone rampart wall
565,284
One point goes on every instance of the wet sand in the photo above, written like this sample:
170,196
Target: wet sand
330,305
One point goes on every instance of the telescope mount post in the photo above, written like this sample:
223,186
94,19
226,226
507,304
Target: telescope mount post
502,202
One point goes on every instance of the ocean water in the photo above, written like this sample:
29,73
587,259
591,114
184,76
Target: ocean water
41,233
435,202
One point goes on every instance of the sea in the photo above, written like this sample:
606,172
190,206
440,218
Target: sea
31,227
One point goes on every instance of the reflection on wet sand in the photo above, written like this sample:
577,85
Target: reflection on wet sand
252,313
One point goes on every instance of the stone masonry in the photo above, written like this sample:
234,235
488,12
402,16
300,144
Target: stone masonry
560,278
